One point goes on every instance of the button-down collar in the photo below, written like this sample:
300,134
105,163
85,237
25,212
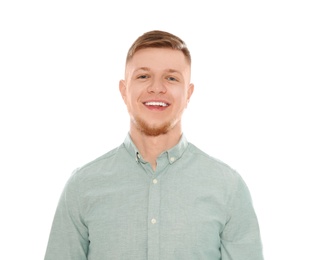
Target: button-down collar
173,154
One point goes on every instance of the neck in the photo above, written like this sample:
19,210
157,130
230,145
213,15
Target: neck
151,147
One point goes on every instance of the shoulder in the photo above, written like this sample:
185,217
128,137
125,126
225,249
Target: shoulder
211,167
201,157
98,166
103,159
211,173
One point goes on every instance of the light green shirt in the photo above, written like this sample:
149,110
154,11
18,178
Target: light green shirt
192,207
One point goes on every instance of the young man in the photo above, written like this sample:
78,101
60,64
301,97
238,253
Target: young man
156,196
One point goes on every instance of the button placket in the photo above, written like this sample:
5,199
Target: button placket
153,216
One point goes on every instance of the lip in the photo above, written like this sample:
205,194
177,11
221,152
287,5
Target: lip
156,107
156,101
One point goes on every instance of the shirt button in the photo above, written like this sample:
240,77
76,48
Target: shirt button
155,181
153,221
172,159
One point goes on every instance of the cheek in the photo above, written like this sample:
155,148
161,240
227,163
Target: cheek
181,97
132,99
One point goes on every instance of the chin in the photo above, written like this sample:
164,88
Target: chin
152,130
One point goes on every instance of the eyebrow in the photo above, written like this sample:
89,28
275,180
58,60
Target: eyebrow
142,68
172,71
148,69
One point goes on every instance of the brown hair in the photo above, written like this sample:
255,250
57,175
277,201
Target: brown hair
158,39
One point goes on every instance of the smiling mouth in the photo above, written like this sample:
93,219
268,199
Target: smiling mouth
156,104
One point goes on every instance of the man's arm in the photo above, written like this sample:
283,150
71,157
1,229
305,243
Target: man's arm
69,236
240,239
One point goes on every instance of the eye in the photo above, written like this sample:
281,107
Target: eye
171,78
143,76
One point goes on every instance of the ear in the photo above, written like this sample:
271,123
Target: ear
122,89
189,92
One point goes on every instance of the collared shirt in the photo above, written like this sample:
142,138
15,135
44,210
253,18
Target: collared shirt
191,207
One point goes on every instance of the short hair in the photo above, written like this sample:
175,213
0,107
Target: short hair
158,39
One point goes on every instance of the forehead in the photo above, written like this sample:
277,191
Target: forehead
158,59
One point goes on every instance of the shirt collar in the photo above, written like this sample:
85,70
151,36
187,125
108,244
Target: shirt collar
172,154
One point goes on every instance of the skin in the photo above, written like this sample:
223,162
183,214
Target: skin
156,75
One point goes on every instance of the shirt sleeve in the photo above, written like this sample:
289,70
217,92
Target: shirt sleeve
240,239
69,235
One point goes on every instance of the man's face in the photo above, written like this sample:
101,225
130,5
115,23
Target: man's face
156,89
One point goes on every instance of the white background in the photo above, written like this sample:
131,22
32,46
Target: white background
61,62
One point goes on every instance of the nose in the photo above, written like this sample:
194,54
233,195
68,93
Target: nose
156,87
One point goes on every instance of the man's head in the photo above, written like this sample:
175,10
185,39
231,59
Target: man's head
157,84
158,39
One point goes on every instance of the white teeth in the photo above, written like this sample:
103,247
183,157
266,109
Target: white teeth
162,104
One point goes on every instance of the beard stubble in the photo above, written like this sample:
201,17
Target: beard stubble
149,130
